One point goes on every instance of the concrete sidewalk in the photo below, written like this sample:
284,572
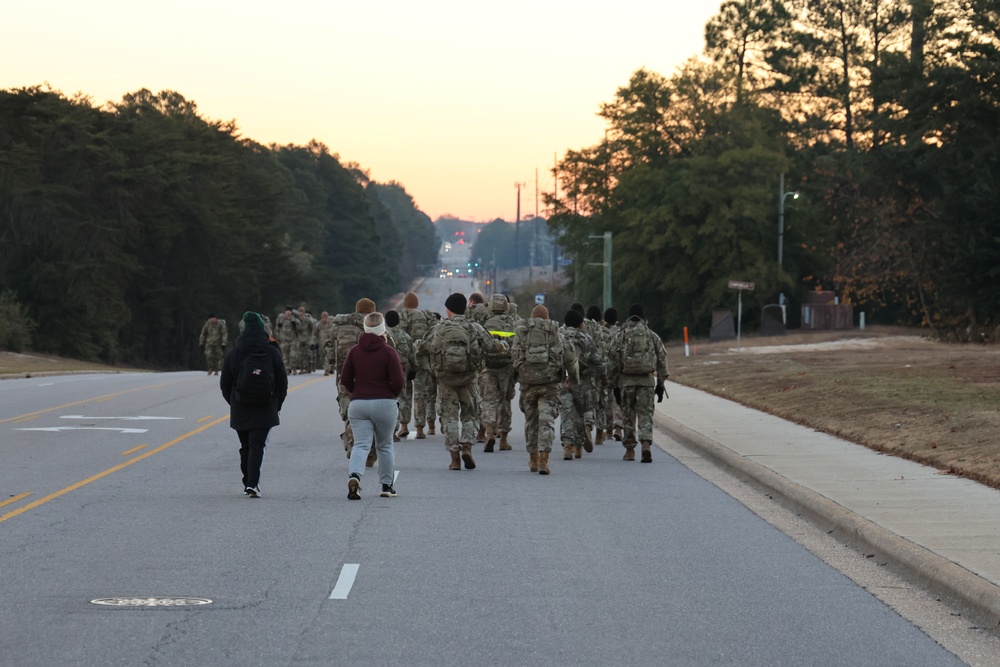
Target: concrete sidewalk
940,531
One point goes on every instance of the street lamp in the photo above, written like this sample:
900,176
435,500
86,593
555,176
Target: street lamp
782,195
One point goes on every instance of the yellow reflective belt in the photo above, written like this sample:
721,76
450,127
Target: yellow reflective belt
502,334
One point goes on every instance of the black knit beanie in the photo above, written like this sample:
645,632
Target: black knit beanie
573,319
611,316
635,310
456,303
594,313
391,318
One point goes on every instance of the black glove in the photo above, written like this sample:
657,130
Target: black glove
410,375
660,391
618,395
314,346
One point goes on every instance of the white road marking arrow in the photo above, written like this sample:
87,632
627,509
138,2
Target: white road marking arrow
56,429
139,418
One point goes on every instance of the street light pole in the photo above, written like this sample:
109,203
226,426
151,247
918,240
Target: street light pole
781,227
607,267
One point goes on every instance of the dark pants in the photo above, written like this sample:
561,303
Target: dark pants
252,445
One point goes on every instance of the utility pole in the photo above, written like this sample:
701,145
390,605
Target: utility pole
781,232
607,267
517,228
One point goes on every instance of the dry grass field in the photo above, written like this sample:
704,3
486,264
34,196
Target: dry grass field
888,389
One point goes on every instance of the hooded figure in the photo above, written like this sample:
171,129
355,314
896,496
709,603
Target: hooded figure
253,422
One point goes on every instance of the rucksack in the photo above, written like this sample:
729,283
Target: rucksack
418,323
255,379
543,353
637,353
497,325
457,352
344,334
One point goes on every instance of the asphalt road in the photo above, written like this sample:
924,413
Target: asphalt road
602,562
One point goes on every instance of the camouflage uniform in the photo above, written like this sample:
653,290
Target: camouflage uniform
304,345
403,344
213,341
287,333
540,395
593,379
417,323
496,382
613,412
459,393
345,331
577,402
321,334
637,389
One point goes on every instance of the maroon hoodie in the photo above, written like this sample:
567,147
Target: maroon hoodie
372,369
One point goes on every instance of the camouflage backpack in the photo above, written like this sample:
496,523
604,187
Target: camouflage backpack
497,325
542,352
344,334
417,322
456,352
637,352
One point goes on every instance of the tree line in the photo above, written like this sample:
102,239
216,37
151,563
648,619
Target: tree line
883,114
122,227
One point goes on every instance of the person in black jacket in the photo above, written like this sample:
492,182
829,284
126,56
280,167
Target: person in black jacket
253,422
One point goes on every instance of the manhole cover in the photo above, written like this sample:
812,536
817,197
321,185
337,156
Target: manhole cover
157,601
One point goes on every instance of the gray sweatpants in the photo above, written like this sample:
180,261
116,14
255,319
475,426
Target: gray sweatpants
373,419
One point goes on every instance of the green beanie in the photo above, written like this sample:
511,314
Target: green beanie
252,320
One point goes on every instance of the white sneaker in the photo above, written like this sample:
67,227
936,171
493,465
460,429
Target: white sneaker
252,491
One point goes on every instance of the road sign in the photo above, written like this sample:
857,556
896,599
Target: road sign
539,298
740,285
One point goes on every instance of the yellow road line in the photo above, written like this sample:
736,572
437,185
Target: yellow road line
205,419
134,450
90,400
26,419
15,499
121,466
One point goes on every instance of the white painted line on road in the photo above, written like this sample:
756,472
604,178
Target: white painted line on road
56,429
47,384
345,581
395,476
139,418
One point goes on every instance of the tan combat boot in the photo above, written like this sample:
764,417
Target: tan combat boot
533,461
543,463
647,454
470,463
629,454
491,438
578,452
599,438
404,430
456,462
504,445
430,427
567,452
588,440
420,432
481,435
372,457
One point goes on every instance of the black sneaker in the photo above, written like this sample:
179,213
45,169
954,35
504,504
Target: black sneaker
388,491
252,491
354,487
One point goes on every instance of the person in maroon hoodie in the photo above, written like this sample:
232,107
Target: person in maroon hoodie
374,377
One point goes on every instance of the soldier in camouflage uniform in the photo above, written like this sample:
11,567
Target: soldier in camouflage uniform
403,344
305,349
321,334
544,364
477,310
638,371
417,323
496,382
599,333
345,331
613,411
213,340
286,330
456,347
576,402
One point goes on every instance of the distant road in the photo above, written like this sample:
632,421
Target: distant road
128,487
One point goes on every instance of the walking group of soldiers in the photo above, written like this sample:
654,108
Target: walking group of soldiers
599,377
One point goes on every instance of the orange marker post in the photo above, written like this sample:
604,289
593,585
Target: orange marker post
687,350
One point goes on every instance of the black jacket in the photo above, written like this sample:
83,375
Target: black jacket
250,417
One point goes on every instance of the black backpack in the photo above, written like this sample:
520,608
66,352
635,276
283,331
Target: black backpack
255,380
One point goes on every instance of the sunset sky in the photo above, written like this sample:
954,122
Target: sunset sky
457,101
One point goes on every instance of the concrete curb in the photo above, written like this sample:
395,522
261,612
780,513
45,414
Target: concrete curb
978,598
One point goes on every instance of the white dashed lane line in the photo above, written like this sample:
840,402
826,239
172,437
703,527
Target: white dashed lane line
345,581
